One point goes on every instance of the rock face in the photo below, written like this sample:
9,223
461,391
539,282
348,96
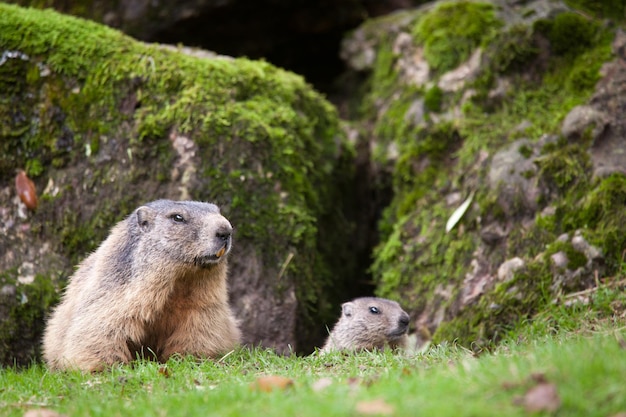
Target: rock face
518,115
102,123
513,175
608,128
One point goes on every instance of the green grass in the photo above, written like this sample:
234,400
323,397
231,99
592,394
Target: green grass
587,367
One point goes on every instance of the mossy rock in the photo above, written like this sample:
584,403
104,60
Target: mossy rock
569,33
22,309
448,279
610,9
512,49
533,290
102,123
450,31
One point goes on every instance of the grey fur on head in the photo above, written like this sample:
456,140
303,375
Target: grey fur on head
369,323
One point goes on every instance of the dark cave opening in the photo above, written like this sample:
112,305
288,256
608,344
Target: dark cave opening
279,38
302,37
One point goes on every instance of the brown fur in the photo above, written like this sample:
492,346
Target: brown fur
156,286
369,323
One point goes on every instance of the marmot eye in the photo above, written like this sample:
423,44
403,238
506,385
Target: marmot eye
374,310
177,218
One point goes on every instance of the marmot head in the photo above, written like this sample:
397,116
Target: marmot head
377,321
189,232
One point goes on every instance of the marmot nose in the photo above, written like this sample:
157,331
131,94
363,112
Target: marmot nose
223,234
404,320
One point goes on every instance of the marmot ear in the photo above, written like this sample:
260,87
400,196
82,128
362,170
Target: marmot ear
145,218
347,309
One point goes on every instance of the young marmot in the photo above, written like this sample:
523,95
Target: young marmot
369,323
156,286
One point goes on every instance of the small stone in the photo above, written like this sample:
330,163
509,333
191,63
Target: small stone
563,238
582,118
581,245
492,233
26,273
8,290
506,271
456,79
559,260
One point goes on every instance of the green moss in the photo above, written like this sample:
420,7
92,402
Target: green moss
411,263
499,310
40,87
485,130
381,85
80,235
512,49
416,256
605,304
569,33
565,166
601,214
575,259
412,179
395,122
452,30
34,167
433,99
514,317
415,252
421,162
526,151
613,9
565,82
21,332
585,72
530,292
384,76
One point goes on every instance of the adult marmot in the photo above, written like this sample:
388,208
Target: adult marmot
369,323
156,286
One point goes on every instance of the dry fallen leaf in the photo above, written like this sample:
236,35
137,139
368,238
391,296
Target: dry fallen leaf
321,384
508,385
271,382
378,406
354,381
542,397
164,371
26,190
539,377
42,412
459,212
